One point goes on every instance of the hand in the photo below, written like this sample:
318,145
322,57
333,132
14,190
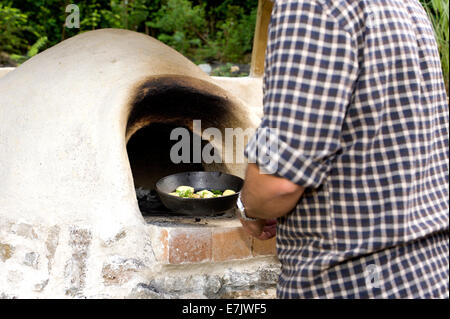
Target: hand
262,229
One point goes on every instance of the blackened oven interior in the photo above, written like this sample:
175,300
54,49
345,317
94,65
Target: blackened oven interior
160,106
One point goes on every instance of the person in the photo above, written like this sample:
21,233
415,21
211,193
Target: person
355,100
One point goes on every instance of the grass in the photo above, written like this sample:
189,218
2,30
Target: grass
438,12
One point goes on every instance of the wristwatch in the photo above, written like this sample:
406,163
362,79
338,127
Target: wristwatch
241,210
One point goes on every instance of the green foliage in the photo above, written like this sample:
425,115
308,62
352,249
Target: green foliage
185,27
126,14
202,30
438,12
235,36
45,19
13,23
181,26
40,43
93,18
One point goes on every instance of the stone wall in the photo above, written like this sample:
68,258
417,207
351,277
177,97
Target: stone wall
177,258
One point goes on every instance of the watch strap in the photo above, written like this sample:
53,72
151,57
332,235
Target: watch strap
241,209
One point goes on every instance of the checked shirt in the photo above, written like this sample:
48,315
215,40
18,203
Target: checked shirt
355,101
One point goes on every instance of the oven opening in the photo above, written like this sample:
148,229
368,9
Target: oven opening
161,105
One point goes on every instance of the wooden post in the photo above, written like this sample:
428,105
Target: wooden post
261,36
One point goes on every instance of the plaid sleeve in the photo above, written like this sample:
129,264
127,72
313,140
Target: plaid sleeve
311,67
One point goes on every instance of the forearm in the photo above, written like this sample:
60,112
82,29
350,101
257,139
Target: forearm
267,196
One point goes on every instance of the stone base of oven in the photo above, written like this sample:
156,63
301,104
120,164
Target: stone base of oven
164,258
253,278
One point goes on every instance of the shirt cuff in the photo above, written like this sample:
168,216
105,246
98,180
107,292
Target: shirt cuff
276,157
